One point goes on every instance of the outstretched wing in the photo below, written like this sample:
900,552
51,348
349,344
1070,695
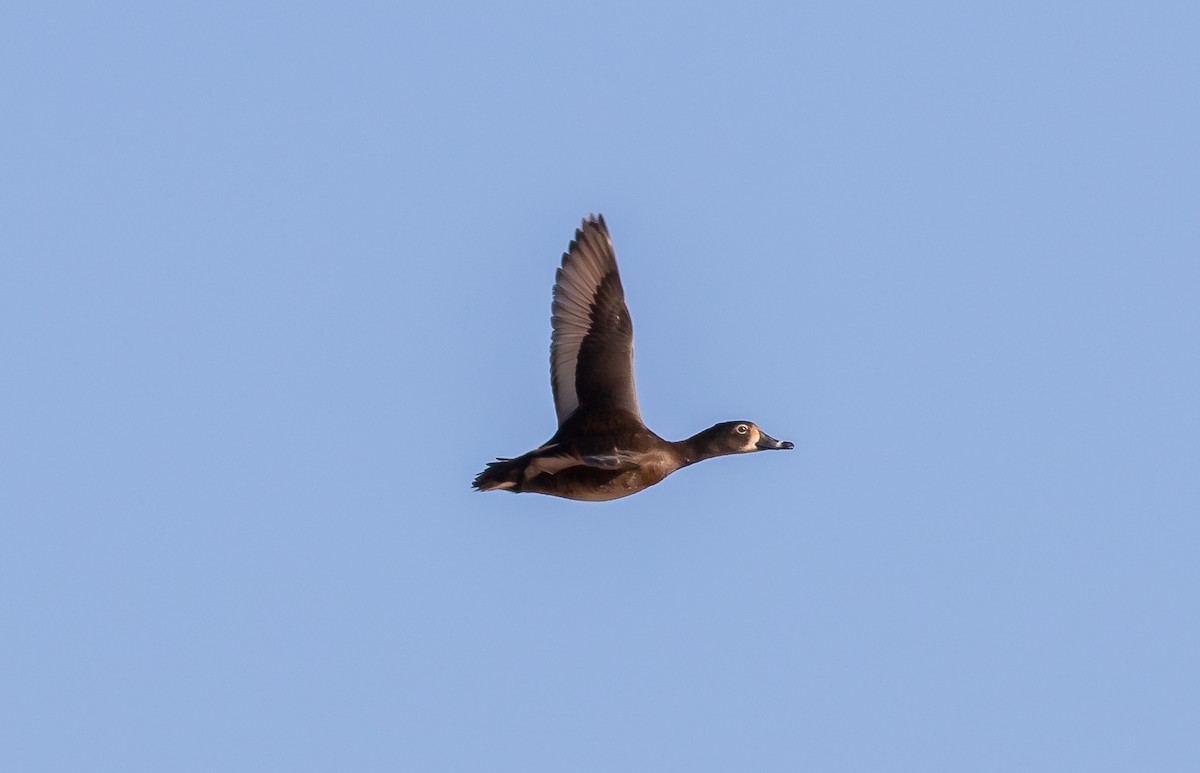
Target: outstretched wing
591,345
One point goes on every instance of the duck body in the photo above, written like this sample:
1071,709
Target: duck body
602,449
595,456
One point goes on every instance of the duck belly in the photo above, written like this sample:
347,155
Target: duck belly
588,484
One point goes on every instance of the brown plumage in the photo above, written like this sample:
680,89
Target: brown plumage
602,450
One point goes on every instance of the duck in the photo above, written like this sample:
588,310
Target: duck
602,450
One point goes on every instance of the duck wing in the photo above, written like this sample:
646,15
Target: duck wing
616,462
591,343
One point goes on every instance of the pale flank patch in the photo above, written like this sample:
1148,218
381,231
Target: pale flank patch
549,465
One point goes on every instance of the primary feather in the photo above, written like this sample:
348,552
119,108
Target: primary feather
591,343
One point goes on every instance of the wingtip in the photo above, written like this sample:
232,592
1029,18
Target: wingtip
592,232
593,223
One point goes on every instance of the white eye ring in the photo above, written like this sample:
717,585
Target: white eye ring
742,429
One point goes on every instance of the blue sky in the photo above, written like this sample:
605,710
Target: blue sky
275,284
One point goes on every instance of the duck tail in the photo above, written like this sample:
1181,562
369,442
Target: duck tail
501,474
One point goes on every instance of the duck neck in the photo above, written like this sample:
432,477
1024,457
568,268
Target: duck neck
692,450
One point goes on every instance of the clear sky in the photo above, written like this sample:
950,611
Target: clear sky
275,284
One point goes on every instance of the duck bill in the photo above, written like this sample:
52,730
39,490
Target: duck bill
767,443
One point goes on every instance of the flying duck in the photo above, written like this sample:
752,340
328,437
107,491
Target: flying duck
602,450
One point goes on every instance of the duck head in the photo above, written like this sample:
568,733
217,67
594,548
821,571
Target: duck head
733,437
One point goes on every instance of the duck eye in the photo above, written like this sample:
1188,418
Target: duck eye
742,429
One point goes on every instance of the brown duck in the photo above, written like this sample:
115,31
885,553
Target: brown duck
602,450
